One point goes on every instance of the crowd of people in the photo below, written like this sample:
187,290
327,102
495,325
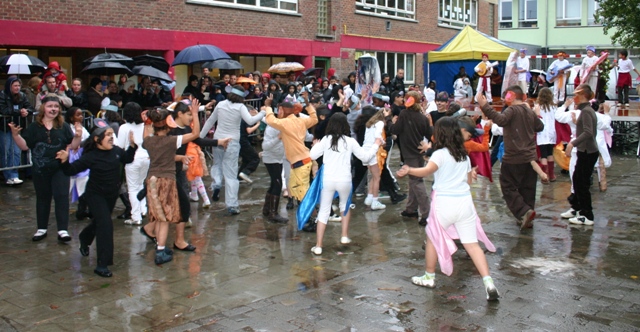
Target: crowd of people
310,124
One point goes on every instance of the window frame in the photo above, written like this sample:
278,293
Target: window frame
456,23
256,7
502,23
384,10
523,20
568,21
591,21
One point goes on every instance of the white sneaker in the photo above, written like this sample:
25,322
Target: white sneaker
133,222
619,104
17,181
359,194
316,250
188,224
492,291
424,281
368,200
568,214
193,198
335,218
376,205
10,182
206,205
626,105
581,220
345,240
245,177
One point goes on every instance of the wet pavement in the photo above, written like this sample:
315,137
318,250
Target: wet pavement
249,275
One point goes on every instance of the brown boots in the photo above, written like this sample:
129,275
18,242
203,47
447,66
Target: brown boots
551,171
270,209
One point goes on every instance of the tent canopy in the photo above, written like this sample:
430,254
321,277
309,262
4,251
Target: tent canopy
469,44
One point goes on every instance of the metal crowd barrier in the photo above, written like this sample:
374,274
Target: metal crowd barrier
11,157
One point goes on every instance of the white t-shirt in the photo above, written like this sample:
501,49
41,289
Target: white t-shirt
522,63
138,133
548,134
337,164
429,94
451,177
625,66
372,133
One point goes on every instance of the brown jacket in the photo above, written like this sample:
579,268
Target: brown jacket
520,125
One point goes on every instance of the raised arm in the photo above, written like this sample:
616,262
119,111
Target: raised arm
195,106
501,119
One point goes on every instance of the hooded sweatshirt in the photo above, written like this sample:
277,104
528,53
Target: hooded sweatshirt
11,105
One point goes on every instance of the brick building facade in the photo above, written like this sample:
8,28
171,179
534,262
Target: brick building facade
321,33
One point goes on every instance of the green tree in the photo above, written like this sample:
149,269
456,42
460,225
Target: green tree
622,18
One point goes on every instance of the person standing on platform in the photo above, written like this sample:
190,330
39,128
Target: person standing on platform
522,67
625,66
587,62
484,71
559,87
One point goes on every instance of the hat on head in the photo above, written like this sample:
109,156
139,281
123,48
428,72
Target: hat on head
100,126
591,48
354,101
485,54
54,65
469,125
562,54
442,96
523,50
381,97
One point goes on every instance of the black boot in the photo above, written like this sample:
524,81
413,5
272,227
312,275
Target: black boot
82,211
290,203
273,212
127,207
310,226
266,208
216,195
396,197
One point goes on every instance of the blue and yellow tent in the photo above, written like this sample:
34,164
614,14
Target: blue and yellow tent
463,50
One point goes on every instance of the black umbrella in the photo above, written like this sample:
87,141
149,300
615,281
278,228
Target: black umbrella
106,68
151,72
198,54
21,64
110,57
315,72
154,61
227,64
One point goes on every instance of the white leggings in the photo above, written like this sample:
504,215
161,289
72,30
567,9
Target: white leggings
326,197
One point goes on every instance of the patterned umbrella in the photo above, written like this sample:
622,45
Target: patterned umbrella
285,67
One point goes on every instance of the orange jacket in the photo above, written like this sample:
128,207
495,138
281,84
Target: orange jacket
472,146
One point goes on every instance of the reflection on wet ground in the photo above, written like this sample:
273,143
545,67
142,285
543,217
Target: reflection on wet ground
248,275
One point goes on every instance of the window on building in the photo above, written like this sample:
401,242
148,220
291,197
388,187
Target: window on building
528,13
592,7
492,19
388,8
390,63
568,12
458,13
323,18
290,6
506,15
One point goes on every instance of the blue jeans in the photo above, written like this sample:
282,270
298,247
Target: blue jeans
9,154
225,164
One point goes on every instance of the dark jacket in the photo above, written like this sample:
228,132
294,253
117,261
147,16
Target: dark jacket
94,100
586,128
397,84
11,106
129,97
411,128
78,100
520,125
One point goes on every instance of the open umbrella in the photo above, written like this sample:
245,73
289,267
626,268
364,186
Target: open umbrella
151,72
21,64
110,57
106,68
198,54
285,67
315,72
227,64
154,61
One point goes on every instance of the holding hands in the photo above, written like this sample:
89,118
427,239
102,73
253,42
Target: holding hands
224,142
63,155
404,171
